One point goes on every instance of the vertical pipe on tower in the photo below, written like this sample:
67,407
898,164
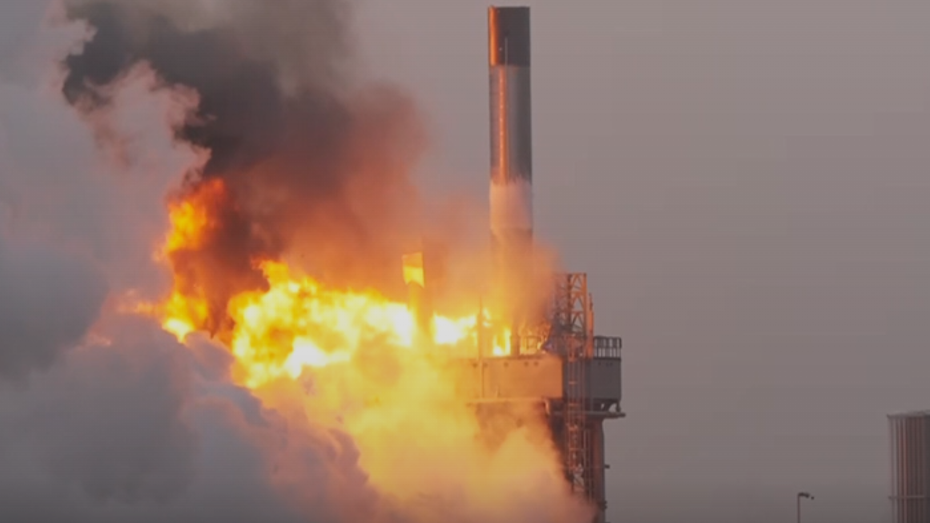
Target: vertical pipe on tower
599,486
511,191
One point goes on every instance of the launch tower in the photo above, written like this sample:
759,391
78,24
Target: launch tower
555,364
561,363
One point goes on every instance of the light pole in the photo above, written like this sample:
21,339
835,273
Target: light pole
807,495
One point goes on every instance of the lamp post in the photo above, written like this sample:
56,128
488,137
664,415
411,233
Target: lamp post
807,495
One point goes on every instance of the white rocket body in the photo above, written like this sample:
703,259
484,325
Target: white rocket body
511,190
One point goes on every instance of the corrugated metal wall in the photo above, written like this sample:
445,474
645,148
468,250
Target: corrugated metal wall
910,467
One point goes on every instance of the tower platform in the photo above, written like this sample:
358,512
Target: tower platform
541,377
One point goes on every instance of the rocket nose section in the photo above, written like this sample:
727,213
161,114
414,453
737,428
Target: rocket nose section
509,36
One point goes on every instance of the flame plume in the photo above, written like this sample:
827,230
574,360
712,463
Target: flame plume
285,247
373,374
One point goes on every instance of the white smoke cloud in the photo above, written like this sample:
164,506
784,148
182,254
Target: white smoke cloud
109,418
104,417
124,429
48,300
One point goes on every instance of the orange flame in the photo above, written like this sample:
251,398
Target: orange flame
296,322
373,368
189,217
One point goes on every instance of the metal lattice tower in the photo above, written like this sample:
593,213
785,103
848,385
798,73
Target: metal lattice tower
555,359
573,334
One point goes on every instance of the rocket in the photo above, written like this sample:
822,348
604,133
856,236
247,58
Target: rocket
511,188
511,126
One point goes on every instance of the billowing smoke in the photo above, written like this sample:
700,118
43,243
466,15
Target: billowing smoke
250,109
123,428
310,165
48,301
104,417
116,453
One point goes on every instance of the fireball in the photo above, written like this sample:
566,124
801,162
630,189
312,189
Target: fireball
374,368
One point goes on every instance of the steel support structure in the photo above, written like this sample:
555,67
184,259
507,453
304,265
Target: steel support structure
583,396
582,431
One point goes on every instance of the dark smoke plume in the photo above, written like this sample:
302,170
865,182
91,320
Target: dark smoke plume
311,166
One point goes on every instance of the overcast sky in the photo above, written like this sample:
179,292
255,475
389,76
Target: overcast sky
745,183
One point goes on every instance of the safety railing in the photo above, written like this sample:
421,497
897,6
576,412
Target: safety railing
607,347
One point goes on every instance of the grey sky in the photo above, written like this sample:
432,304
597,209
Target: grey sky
745,183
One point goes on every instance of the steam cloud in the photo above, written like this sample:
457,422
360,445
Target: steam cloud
48,301
102,415
106,418
306,158
116,431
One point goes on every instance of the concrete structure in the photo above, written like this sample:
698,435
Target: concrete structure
544,378
910,467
